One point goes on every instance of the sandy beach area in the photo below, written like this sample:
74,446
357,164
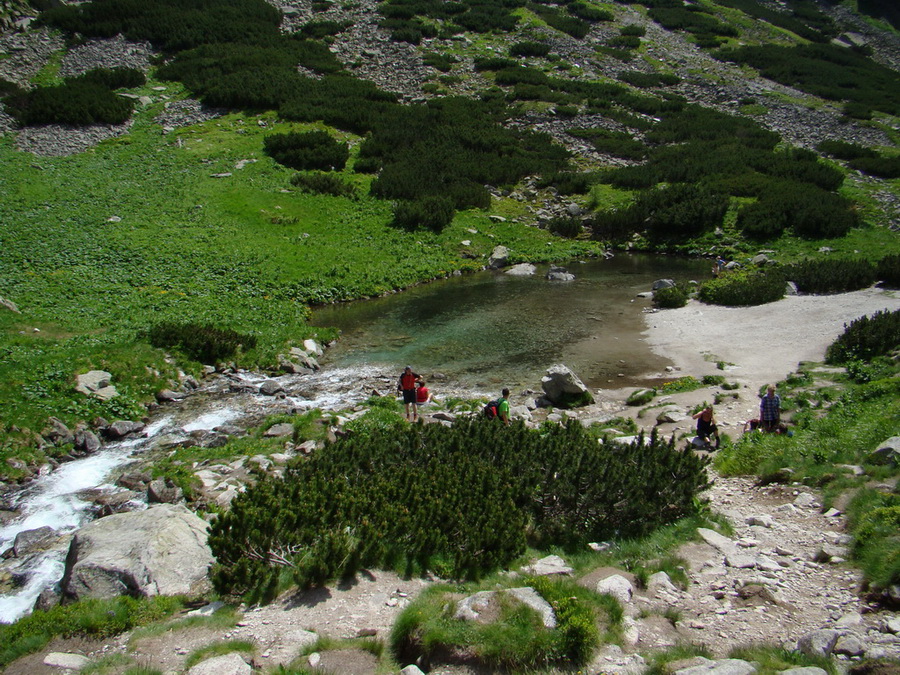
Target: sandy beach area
763,343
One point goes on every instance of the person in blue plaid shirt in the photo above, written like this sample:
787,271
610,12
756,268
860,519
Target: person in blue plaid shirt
770,410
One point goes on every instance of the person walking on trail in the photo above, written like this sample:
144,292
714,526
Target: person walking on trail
706,426
503,406
406,385
770,410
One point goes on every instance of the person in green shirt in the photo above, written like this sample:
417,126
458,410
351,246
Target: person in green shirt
503,407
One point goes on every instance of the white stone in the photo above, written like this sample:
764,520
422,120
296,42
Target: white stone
617,586
65,660
227,664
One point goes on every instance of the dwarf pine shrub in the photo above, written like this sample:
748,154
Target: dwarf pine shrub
739,288
671,297
888,270
866,338
305,151
204,343
831,275
465,500
323,184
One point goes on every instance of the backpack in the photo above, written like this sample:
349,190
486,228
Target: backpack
491,410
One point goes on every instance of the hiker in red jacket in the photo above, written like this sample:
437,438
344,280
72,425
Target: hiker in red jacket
407,386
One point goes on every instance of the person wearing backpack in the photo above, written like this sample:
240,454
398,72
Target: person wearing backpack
406,385
498,408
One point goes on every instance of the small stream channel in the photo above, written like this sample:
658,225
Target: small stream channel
481,331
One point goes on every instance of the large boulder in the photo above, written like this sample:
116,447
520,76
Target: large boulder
159,551
499,257
563,388
887,452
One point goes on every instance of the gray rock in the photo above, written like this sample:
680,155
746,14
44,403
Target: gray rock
306,359
660,284
888,452
716,540
721,667
740,561
411,670
499,257
279,430
559,274
670,414
617,586
849,645
159,551
561,385
522,270
86,441
92,381
761,521
28,541
551,565
761,259
169,396
660,582
121,428
818,642
892,625
161,491
10,305
227,664
805,499
808,670
65,660
57,432
270,388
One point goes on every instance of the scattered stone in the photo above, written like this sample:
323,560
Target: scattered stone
818,642
163,491
10,305
716,540
805,499
522,270
270,388
762,521
551,565
66,660
557,273
279,430
227,664
721,667
849,645
888,452
499,258
122,428
562,387
617,586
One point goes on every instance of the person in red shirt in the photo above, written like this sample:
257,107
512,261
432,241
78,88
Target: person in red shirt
423,395
406,385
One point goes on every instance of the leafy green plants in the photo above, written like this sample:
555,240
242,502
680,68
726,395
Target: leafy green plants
641,396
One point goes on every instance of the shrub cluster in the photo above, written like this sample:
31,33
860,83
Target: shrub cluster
323,184
527,49
565,227
671,297
307,151
80,101
464,500
801,18
888,270
866,338
825,70
648,80
831,275
432,212
203,343
753,286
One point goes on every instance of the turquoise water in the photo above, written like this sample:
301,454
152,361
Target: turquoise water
489,329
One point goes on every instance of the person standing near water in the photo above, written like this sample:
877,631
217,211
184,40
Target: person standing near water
406,385
503,406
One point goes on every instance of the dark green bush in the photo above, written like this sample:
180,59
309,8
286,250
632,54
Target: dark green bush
203,343
433,213
316,30
888,270
866,338
634,30
529,49
442,62
323,184
857,110
811,213
622,42
743,288
77,102
8,88
844,150
615,143
883,167
648,80
584,11
483,63
307,151
567,182
467,499
670,298
565,23
114,78
831,275
565,227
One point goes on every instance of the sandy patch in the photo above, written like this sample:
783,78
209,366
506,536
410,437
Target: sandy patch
765,343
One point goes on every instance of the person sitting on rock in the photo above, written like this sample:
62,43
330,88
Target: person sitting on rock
706,426
423,395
